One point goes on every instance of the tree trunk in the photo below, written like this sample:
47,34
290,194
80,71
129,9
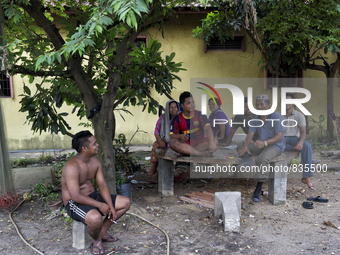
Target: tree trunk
330,102
103,123
330,126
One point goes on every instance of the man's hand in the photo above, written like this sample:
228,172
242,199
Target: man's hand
161,144
298,146
259,144
112,214
183,138
243,150
212,147
104,209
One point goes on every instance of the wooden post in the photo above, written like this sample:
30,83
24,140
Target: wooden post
6,180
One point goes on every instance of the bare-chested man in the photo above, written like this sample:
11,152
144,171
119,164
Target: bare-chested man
84,203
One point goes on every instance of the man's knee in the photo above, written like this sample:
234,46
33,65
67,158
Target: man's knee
123,202
307,146
94,219
173,143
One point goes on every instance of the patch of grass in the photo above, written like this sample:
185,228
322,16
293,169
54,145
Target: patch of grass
324,146
24,162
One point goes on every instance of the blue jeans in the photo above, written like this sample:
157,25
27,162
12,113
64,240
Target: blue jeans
306,154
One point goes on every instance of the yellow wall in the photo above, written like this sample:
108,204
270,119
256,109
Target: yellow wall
200,65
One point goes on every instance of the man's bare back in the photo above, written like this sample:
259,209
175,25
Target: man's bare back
84,173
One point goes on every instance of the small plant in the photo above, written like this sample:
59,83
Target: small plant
45,191
124,162
66,216
119,179
59,166
321,126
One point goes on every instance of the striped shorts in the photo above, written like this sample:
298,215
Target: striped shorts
78,211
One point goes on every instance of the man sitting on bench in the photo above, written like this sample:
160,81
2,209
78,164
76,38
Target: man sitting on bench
295,136
271,142
188,128
82,201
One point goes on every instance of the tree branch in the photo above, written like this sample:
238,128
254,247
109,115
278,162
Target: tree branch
90,64
84,81
119,102
24,70
317,67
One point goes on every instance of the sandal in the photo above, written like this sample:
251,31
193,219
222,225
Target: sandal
110,237
318,199
308,205
100,251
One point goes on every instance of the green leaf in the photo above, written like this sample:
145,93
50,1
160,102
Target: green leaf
27,90
321,118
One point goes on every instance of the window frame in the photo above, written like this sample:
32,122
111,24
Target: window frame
243,45
10,88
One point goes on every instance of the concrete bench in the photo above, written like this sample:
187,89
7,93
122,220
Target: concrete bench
277,184
81,238
228,204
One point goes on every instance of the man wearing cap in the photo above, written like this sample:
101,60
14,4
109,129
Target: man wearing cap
271,141
295,136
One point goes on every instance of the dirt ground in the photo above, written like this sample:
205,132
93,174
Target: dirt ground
193,229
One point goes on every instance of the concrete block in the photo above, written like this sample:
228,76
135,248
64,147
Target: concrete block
277,184
23,178
228,204
165,178
81,238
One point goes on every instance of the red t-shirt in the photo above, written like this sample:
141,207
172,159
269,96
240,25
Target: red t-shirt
193,127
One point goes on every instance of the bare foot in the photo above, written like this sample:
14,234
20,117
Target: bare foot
152,170
308,182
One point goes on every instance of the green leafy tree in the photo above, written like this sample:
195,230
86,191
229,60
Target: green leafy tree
288,33
87,55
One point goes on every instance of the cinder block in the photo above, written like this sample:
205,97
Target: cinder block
228,204
277,184
80,236
165,178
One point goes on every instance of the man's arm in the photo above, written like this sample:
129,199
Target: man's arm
104,191
71,175
175,131
181,137
246,143
221,132
260,144
231,135
299,145
210,134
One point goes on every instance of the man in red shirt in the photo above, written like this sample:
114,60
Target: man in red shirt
188,128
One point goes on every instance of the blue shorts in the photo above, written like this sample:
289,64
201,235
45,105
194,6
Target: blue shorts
78,211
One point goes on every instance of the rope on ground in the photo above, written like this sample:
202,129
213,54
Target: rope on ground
16,228
132,214
167,237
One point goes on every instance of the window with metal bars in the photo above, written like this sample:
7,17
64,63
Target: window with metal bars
5,85
238,43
